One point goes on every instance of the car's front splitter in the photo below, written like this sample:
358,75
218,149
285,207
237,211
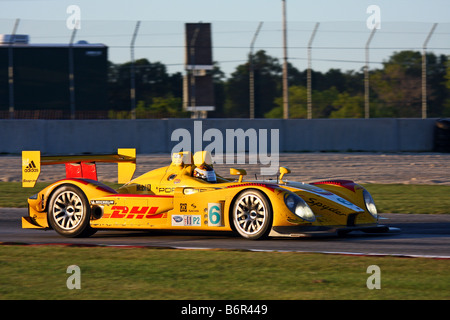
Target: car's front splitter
311,231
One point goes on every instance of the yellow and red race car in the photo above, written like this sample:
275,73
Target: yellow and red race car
189,195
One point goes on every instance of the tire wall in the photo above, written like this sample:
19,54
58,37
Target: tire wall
442,135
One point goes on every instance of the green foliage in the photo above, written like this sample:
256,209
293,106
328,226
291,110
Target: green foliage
267,80
328,103
297,104
163,107
158,94
348,106
446,105
395,89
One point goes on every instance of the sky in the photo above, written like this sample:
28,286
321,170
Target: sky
228,10
339,42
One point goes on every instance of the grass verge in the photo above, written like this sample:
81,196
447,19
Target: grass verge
410,198
40,272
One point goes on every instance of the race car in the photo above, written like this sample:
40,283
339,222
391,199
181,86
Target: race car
188,194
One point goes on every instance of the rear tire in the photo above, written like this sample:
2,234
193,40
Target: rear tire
69,212
252,215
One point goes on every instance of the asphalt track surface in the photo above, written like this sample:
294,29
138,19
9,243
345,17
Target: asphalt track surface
419,236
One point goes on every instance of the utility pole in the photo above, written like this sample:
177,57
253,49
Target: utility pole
71,73
285,67
308,80
11,69
366,74
193,72
252,74
424,73
133,72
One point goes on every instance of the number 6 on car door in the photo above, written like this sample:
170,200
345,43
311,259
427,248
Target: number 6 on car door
215,214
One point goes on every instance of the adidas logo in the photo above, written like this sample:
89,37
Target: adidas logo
31,167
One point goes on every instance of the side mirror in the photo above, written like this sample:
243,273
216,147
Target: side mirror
283,171
240,172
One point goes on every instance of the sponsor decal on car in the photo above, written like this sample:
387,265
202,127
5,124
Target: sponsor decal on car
215,215
31,167
120,212
102,202
186,220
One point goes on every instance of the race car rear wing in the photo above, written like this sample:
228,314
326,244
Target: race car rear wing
77,166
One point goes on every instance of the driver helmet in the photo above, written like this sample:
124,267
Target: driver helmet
205,172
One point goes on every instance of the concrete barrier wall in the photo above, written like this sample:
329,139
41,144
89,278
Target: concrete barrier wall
156,135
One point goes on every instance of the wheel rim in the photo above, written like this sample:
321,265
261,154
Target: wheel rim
68,210
250,214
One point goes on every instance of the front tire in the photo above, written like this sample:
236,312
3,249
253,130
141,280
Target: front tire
69,212
252,215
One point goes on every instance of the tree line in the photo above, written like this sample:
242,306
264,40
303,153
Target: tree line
395,89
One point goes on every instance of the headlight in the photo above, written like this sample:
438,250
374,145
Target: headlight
299,207
370,204
290,202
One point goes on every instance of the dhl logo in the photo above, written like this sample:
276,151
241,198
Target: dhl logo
119,212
